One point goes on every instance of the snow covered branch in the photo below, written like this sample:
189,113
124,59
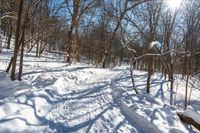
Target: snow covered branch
8,16
171,51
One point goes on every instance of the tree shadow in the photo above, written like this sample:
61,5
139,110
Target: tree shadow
160,92
42,83
58,69
8,87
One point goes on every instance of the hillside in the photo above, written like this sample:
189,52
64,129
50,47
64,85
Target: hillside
54,97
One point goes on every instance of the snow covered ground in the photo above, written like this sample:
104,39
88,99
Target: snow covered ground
80,98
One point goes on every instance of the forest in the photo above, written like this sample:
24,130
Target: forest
127,65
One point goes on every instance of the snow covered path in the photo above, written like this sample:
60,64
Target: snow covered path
54,97
62,99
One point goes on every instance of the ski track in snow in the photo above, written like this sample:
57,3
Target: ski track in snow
57,98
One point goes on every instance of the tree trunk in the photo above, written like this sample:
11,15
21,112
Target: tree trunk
32,45
197,63
132,78
105,58
187,78
0,44
17,34
37,49
22,54
171,77
69,49
10,33
74,23
149,73
10,64
41,47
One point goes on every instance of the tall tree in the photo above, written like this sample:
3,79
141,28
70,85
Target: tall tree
17,36
79,7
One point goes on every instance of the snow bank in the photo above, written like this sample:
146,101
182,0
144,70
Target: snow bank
144,125
149,114
190,112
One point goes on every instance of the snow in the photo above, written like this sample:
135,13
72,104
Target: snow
150,114
8,88
154,43
54,97
190,112
144,125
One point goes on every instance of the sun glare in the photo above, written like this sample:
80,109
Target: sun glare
174,4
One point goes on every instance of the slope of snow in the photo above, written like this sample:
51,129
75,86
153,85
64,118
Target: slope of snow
54,97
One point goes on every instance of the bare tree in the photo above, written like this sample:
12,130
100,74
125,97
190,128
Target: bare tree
120,13
76,12
17,36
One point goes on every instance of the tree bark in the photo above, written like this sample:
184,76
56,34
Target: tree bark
21,54
17,35
149,73
37,49
10,33
74,24
132,78
187,78
171,77
10,64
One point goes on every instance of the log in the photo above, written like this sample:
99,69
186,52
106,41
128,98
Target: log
189,121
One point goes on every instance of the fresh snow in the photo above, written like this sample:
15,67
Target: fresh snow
54,97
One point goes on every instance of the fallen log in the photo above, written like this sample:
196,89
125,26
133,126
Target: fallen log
189,120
